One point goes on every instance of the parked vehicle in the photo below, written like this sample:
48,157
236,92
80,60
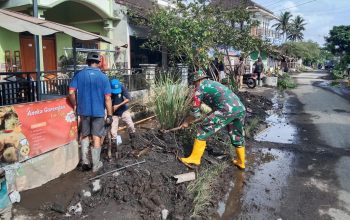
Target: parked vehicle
250,79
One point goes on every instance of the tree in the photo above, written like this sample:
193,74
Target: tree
190,31
186,31
295,32
234,30
325,55
308,51
283,24
338,41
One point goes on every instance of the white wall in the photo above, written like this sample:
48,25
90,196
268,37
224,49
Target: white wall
121,35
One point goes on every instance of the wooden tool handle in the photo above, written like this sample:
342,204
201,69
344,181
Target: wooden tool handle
178,128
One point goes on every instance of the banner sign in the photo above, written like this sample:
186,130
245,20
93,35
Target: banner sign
31,129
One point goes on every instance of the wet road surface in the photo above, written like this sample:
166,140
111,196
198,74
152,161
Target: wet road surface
329,111
309,175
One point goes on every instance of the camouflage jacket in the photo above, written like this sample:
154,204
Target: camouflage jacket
217,96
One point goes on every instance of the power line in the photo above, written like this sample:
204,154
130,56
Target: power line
273,3
327,11
280,6
269,2
295,6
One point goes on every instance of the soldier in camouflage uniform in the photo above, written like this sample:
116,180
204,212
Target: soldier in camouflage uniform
228,112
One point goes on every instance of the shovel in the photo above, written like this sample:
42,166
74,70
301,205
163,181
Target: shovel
178,128
109,140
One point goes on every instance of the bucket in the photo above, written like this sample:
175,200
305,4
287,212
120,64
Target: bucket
271,81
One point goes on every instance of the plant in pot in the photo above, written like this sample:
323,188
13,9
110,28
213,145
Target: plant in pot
66,62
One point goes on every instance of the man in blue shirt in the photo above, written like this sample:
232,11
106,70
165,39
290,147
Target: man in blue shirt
120,99
93,91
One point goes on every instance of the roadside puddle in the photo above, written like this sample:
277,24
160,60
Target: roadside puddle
258,195
278,130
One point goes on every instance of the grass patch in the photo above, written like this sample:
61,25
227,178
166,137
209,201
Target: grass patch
336,83
202,188
251,126
171,101
286,82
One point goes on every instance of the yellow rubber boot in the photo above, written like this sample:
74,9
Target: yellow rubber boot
197,153
240,162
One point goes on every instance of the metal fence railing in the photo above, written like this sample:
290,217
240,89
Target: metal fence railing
17,92
20,87
133,79
55,87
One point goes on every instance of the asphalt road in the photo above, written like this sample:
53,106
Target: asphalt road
307,179
329,111
328,114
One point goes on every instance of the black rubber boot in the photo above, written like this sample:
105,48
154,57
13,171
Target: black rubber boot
132,137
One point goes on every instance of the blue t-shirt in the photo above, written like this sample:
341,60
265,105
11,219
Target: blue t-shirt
92,86
119,98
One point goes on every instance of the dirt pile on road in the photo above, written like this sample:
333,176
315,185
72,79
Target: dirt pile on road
256,105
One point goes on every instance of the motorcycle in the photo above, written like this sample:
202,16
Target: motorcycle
251,79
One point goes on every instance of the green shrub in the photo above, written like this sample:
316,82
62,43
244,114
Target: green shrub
172,101
286,82
338,72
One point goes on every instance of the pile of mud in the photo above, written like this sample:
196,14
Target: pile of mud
146,191
255,105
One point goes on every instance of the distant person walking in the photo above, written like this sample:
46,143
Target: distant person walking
120,99
240,72
215,68
93,91
222,74
258,69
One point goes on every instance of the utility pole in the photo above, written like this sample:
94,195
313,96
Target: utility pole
37,53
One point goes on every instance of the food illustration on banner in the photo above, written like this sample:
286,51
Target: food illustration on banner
14,145
28,130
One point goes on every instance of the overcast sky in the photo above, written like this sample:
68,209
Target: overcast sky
320,15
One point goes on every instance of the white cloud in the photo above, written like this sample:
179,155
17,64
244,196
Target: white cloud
317,27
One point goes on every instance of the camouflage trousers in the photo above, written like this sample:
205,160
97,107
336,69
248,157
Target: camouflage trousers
234,123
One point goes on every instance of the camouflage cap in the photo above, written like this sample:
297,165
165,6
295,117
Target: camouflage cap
198,75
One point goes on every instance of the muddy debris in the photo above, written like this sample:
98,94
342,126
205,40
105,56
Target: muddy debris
148,190
76,209
257,104
58,208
